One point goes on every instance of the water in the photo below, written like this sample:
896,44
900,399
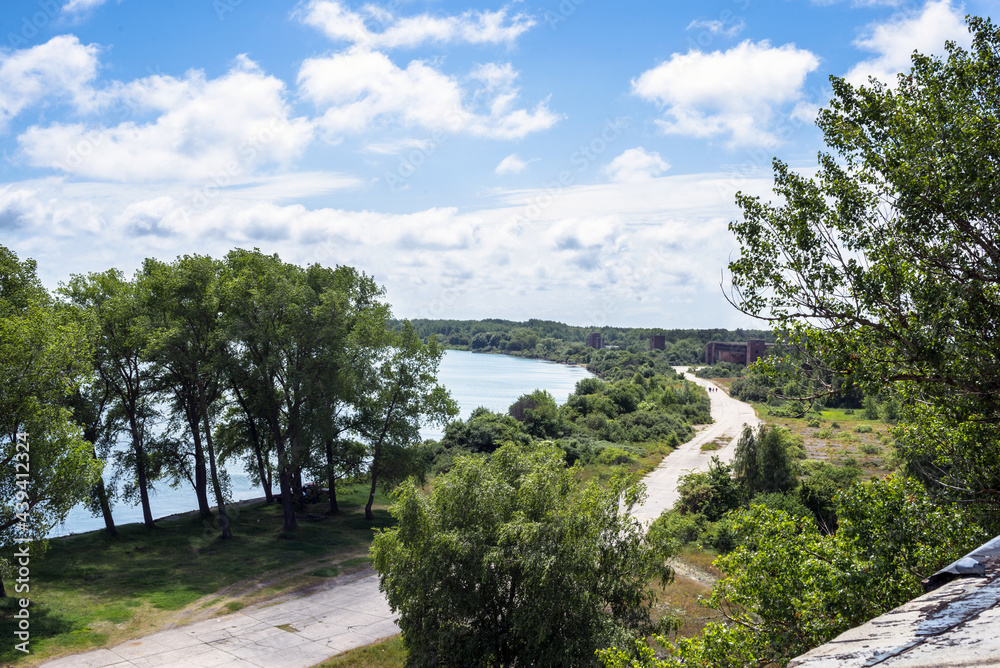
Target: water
493,381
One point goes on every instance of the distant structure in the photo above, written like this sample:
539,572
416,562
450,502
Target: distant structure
744,353
595,340
658,342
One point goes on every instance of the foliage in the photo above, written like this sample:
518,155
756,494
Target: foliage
764,461
538,413
399,395
711,493
43,360
484,431
477,568
788,587
884,268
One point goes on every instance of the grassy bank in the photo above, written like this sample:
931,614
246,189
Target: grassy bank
91,590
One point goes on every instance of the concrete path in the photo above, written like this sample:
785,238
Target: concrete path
661,484
352,613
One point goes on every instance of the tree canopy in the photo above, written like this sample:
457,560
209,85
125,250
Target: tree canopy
884,268
512,560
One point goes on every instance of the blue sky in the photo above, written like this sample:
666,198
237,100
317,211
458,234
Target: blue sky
573,160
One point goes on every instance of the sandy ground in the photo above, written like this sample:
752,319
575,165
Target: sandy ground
353,612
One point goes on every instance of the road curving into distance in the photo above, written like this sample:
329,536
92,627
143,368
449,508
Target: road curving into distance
352,612
729,415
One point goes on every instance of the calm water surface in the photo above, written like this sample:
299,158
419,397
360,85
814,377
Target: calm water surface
493,381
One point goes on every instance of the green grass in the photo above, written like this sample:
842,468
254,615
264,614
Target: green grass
388,653
90,590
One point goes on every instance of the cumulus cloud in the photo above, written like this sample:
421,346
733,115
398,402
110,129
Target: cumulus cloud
635,164
358,88
511,165
341,24
222,128
894,41
732,93
61,68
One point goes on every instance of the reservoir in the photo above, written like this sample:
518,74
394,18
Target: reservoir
493,381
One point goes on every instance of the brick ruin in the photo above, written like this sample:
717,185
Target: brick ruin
744,353
658,342
595,340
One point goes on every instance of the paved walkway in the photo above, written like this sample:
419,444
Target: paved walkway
661,484
305,631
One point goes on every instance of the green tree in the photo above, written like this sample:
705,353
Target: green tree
295,334
762,462
188,349
121,337
788,587
884,268
513,560
399,395
43,361
538,413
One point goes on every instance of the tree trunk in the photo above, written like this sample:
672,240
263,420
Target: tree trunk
300,502
369,515
258,451
140,472
200,472
331,478
284,479
219,499
109,521
102,493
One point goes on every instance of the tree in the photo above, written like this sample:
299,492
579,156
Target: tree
300,341
762,462
538,413
513,560
122,335
787,587
188,349
400,394
46,467
885,267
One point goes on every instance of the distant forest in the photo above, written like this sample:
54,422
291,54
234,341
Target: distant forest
546,339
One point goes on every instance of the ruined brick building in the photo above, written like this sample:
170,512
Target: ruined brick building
744,353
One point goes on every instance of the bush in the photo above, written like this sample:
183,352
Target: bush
863,429
814,423
612,456
517,536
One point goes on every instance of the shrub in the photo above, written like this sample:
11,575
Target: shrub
863,429
612,456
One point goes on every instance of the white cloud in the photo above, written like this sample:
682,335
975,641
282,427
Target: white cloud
80,6
511,165
222,128
61,68
359,88
718,27
731,93
398,146
341,24
895,40
635,164
637,253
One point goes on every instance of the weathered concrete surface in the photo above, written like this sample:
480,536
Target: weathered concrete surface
294,634
954,625
305,631
661,484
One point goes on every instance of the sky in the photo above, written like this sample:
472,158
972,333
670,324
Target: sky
571,160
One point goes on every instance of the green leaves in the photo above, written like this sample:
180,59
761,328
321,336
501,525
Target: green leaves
512,559
884,268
